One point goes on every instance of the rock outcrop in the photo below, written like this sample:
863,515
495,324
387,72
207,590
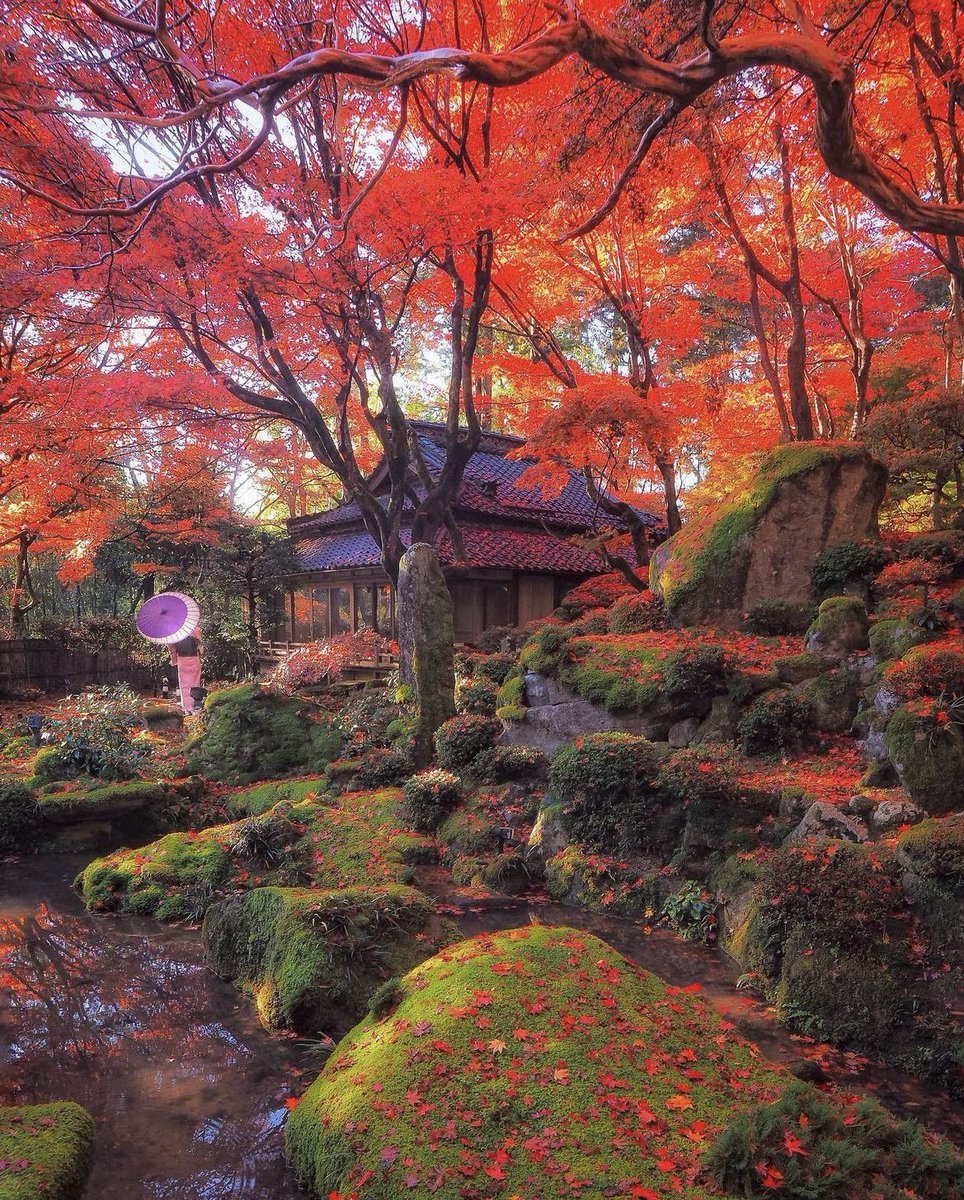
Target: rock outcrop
758,546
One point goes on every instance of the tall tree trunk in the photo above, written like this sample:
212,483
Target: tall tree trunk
667,469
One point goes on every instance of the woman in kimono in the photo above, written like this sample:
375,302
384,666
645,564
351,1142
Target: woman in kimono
186,657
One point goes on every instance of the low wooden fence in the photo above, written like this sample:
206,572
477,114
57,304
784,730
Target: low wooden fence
36,662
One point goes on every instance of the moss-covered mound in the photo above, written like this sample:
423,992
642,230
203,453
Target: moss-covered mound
103,802
535,1062
761,543
253,801
359,840
251,734
928,754
313,959
45,1151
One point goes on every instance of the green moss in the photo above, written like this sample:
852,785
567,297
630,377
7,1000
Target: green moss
49,766
928,757
935,849
312,959
607,885
579,1051
46,1150
252,801
467,832
892,639
251,734
840,626
512,693
705,547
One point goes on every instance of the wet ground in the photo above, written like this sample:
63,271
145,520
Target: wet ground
187,1090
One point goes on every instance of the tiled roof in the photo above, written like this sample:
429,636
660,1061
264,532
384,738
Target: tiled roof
489,488
485,546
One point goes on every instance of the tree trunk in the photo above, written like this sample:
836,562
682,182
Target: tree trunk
667,470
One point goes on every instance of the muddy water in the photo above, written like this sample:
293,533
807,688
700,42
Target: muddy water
121,1015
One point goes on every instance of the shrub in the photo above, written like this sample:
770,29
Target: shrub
476,696
599,592
546,652
509,762
777,720
494,667
694,672
427,797
848,565
638,612
806,1146
605,783
511,699
323,661
96,732
501,639
460,741
381,765
19,816
777,618
934,669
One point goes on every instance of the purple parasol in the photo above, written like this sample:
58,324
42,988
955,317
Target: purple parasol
168,617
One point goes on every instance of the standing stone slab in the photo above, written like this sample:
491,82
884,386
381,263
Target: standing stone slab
426,642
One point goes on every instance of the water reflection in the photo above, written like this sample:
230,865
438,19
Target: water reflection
188,1092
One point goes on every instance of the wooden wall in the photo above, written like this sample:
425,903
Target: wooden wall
36,662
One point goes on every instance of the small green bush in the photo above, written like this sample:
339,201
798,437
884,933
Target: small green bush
849,565
546,652
692,912
777,720
695,672
509,762
460,741
19,816
606,785
807,1146
381,765
427,797
96,733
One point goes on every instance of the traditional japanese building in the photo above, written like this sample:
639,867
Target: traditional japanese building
523,551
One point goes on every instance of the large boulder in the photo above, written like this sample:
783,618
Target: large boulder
928,757
426,642
759,545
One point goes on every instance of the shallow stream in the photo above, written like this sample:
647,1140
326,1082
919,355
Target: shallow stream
189,1092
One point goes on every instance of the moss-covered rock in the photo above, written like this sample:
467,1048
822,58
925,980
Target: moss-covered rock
105,802
841,628
527,1061
46,1151
928,756
892,638
251,734
313,959
761,543
832,701
798,668
622,888
312,842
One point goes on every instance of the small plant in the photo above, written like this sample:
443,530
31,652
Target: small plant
97,732
692,913
261,838
776,721
460,741
476,696
19,816
845,567
380,766
427,797
638,612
